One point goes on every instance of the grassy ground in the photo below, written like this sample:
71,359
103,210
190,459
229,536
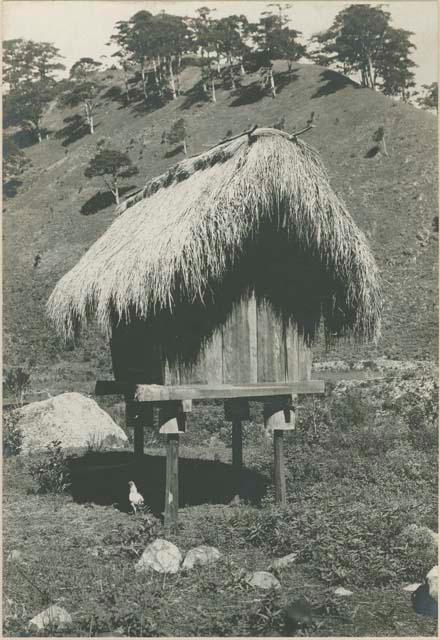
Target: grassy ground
360,468
70,559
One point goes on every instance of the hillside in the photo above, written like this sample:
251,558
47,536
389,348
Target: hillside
57,214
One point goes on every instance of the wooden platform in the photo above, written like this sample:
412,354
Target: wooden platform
165,393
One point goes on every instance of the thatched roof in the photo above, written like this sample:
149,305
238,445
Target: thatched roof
257,210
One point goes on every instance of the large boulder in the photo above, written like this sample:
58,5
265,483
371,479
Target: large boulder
71,418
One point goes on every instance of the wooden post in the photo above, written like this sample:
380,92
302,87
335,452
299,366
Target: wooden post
279,417
172,483
138,437
237,445
236,411
279,468
138,415
172,419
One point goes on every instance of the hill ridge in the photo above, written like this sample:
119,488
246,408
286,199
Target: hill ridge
56,213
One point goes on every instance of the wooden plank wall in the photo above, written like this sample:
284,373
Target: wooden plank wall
271,348
239,344
251,347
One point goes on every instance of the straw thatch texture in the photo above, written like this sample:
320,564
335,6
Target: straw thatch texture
253,214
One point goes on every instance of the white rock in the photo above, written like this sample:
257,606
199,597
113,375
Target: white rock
284,562
200,556
263,580
432,582
412,587
161,556
72,418
15,556
54,617
340,591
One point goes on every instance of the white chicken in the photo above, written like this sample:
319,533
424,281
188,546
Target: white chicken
134,497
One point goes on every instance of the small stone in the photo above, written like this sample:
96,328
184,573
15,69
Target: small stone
412,587
432,582
340,591
15,556
263,580
284,562
161,556
54,617
200,556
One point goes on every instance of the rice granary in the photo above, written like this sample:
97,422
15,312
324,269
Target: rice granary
212,283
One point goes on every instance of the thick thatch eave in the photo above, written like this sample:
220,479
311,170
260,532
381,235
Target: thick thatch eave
246,204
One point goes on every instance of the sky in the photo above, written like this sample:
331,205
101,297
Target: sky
81,28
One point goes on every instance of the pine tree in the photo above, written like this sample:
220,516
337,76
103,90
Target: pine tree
111,165
83,88
26,105
429,98
177,134
362,40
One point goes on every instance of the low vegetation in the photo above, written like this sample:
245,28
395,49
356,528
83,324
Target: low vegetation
362,483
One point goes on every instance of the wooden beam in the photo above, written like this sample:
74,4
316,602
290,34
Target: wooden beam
163,393
172,483
152,393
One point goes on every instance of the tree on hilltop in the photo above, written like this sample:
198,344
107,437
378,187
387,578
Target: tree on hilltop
275,39
204,34
17,64
229,35
156,44
279,38
362,40
394,66
26,61
111,165
429,98
26,105
45,59
83,88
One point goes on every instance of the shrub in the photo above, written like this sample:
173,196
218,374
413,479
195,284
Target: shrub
134,537
50,470
423,429
15,381
344,533
267,617
12,435
416,550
